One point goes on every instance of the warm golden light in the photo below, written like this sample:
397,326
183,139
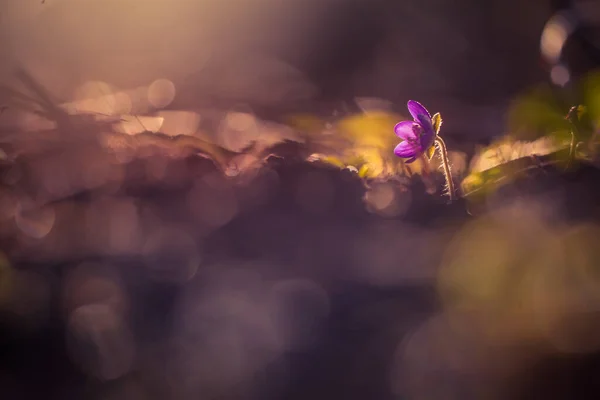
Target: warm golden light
161,93
237,130
554,36
560,75
133,124
97,97
179,122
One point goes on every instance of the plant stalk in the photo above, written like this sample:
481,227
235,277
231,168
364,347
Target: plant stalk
441,146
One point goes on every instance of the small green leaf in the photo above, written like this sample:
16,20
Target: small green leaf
581,110
331,160
436,121
334,161
362,172
430,152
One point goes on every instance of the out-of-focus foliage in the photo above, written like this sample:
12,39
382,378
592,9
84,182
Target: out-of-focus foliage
506,159
545,130
543,111
372,139
362,141
516,278
590,88
235,141
537,113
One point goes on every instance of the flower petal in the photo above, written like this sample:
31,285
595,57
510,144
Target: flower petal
407,149
428,135
415,109
410,160
404,130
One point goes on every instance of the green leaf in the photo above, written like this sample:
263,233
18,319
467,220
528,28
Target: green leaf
436,121
362,172
581,111
430,152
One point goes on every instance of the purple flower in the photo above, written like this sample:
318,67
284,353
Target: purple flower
418,135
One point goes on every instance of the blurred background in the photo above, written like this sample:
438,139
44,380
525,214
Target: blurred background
463,59
199,200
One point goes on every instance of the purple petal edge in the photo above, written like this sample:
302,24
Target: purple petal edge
406,149
428,135
415,109
404,130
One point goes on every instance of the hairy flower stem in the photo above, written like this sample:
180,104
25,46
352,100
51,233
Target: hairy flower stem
441,146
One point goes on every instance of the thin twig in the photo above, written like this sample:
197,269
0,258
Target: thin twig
571,149
573,118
